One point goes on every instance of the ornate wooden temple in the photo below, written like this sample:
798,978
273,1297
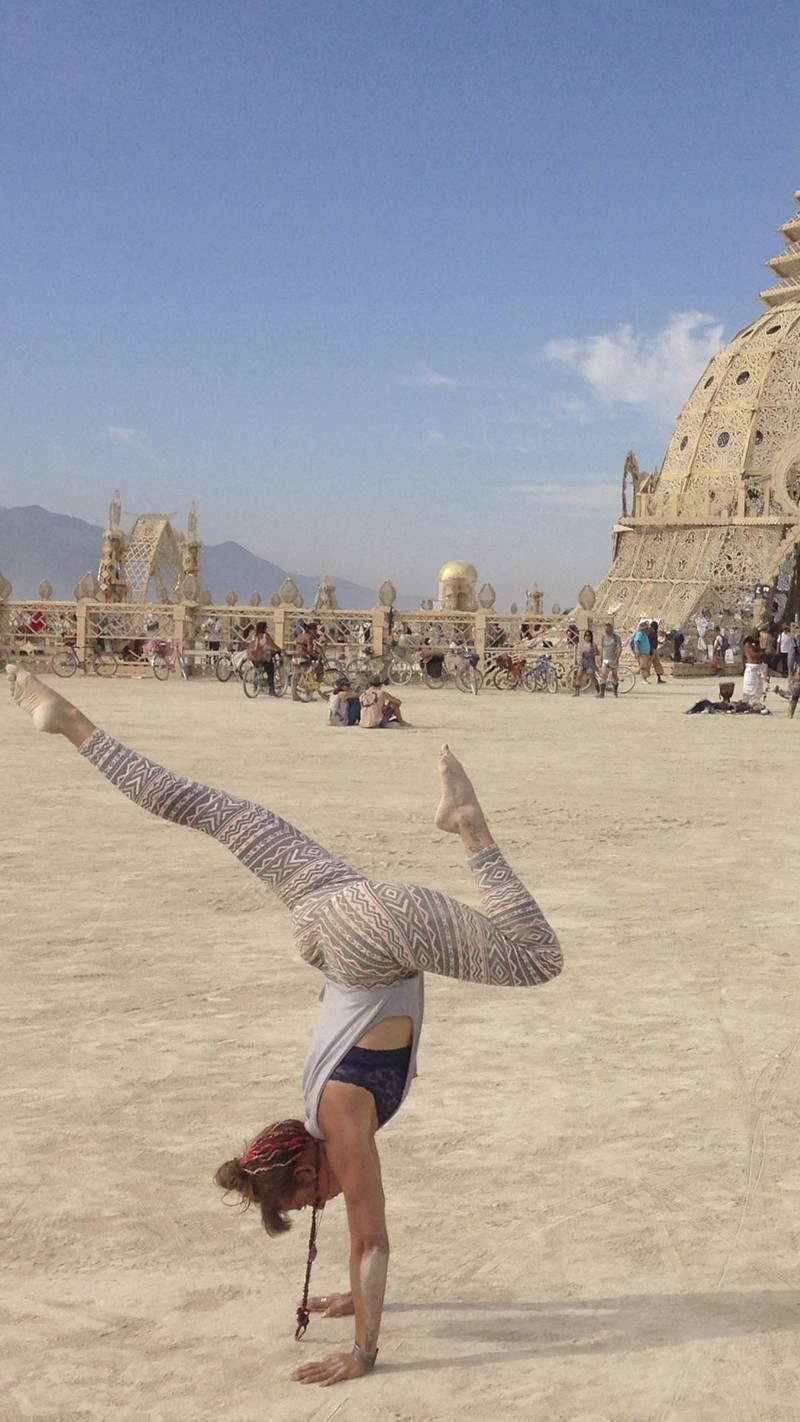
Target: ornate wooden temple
717,527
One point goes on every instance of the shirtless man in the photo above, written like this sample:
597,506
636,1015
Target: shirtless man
305,649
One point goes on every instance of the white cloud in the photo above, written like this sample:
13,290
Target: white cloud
431,379
655,372
124,436
583,498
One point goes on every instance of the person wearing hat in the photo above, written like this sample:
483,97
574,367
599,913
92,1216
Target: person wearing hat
344,704
640,645
378,706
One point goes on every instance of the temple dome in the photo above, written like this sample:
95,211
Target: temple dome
458,569
743,417
720,521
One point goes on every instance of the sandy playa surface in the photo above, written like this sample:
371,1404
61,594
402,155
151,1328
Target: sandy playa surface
593,1188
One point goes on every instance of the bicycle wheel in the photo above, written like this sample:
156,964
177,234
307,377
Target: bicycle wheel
434,682
505,680
104,663
528,679
281,679
64,663
358,666
400,672
224,668
469,680
551,680
326,681
627,679
305,687
160,665
251,681
183,664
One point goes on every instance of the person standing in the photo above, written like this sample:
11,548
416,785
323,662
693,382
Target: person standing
261,651
754,680
785,649
655,659
610,652
586,669
718,649
640,646
305,649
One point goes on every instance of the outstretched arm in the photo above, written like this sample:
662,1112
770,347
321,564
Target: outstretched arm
347,1116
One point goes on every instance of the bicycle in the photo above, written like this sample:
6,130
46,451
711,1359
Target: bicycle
316,679
401,670
508,673
458,664
66,662
255,681
542,676
363,665
229,663
467,677
165,657
626,680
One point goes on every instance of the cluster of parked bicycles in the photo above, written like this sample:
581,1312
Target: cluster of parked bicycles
161,656
434,668
431,667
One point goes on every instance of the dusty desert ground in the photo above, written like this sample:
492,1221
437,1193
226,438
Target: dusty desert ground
593,1188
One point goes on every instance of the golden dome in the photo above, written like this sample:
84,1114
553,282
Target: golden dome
457,569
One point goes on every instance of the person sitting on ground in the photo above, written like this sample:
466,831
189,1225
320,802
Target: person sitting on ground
378,706
727,703
344,703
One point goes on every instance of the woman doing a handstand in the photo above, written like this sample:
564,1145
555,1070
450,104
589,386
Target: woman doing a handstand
373,942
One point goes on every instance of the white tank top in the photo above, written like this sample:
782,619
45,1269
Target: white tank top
346,1014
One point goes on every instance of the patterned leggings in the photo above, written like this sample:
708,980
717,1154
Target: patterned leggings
357,931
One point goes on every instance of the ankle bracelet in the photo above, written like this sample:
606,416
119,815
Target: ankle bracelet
363,1358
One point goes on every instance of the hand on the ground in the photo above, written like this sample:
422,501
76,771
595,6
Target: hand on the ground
331,1305
337,1367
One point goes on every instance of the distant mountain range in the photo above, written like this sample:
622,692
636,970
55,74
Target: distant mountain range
37,544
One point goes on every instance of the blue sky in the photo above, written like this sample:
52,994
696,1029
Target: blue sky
379,284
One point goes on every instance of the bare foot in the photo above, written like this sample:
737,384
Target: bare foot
48,711
332,1305
458,809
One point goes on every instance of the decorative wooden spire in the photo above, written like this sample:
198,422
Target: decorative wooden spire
786,265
